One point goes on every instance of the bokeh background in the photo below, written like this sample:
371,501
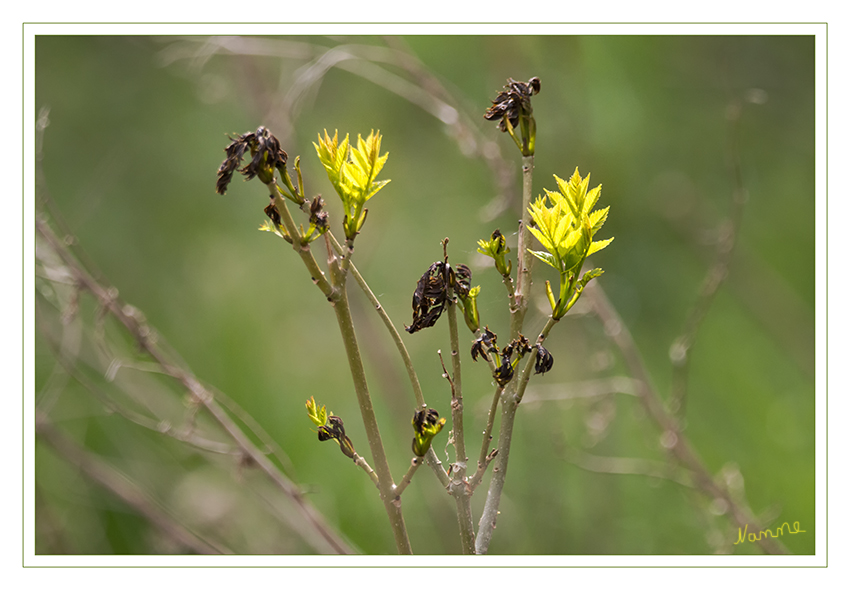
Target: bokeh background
136,130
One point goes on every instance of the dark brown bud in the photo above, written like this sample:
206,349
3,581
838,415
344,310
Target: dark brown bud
318,216
543,361
429,298
273,214
266,153
513,101
484,344
335,430
504,373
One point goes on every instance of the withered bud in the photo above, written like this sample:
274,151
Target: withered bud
273,214
335,430
543,361
484,344
504,373
520,345
267,153
514,100
461,276
318,216
267,156
233,160
429,297
432,292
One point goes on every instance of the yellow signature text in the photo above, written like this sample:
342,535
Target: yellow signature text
744,536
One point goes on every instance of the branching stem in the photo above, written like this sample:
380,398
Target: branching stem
521,296
338,297
510,402
316,274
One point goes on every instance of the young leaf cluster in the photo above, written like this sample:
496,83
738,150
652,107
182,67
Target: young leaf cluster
330,427
565,224
496,248
353,173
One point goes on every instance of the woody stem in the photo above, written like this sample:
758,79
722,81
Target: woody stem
524,256
458,486
370,422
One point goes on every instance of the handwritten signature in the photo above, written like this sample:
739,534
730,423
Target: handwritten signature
743,536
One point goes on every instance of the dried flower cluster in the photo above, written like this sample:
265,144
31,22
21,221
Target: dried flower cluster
432,293
266,153
513,101
486,343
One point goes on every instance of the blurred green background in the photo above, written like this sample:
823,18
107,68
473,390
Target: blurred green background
137,131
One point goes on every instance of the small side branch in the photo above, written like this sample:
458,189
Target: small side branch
123,487
680,356
629,466
405,481
141,333
484,458
361,463
675,440
316,273
475,480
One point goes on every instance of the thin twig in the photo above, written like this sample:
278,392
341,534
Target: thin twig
484,457
628,466
337,296
674,438
122,486
476,478
405,481
457,394
142,334
680,351
160,426
458,486
488,430
431,458
316,274
509,286
580,390
364,465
